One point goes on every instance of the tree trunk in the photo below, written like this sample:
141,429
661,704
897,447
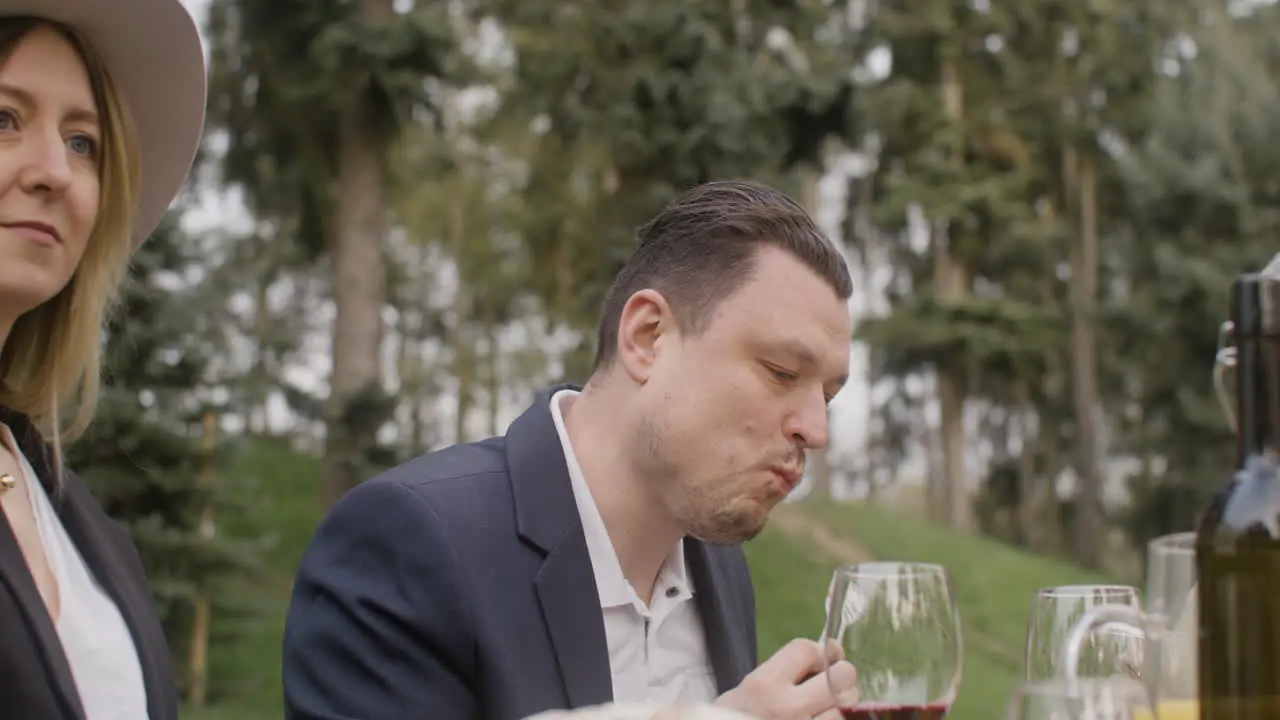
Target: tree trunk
1028,489
405,361
1051,531
493,373
1084,361
820,472
936,482
460,337
359,275
819,460
417,428
951,284
951,407
260,373
1051,525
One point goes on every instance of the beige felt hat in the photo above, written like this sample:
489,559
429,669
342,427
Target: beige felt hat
152,49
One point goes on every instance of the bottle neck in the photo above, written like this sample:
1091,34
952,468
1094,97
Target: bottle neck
1258,396
1256,316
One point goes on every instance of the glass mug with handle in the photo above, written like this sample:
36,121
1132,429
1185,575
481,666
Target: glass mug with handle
1168,627
1114,649
897,624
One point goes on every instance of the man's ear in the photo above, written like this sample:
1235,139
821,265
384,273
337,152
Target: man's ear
646,319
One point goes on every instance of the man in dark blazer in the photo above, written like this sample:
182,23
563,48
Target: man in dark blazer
594,550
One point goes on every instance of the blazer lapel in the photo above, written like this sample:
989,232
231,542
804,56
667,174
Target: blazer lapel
15,574
547,517
721,621
571,610
74,506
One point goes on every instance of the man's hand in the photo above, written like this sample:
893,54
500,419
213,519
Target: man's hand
793,684
643,711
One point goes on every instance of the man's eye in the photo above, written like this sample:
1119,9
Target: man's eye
782,375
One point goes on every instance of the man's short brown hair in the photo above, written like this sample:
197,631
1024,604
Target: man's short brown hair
704,246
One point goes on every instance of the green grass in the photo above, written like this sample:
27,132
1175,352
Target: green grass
993,584
791,583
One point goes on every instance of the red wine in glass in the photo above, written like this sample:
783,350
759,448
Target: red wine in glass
897,625
895,712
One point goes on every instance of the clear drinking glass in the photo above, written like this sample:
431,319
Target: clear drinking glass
898,625
1114,648
1168,629
1100,698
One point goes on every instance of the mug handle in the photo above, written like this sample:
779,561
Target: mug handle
1090,621
1224,368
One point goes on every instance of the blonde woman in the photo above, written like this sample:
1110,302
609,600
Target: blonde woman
101,111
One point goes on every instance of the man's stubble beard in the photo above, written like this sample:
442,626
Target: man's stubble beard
729,528
697,510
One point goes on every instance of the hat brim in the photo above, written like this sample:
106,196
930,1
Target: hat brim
153,51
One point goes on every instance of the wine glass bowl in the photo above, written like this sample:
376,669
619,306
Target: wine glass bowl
897,625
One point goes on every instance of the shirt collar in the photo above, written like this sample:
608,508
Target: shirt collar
611,585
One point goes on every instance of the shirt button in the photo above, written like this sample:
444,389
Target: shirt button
672,592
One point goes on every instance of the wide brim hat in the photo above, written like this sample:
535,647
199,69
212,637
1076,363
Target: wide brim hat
152,50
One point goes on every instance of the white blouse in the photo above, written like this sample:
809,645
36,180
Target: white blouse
95,638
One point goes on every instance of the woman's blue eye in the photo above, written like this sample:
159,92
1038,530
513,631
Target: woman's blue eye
82,145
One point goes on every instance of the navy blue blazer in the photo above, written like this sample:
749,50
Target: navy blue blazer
458,586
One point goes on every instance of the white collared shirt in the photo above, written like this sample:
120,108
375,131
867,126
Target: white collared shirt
97,642
657,653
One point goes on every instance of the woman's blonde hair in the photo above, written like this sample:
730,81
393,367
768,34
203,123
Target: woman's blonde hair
51,359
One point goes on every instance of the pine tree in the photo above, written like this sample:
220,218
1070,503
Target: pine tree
145,457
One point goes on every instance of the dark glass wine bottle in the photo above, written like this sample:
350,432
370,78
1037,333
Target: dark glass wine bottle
1238,538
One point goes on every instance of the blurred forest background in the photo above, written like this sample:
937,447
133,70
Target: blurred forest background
406,214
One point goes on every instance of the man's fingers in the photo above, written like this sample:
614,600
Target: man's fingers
843,681
796,660
834,651
835,654
836,688
813,696
798,681
698,712
832,714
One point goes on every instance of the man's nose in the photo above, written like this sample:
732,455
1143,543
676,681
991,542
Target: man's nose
808,424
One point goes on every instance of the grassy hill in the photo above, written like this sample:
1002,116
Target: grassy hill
994,584
791,564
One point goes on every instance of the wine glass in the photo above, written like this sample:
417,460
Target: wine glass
1097,698
1116,648
898,626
